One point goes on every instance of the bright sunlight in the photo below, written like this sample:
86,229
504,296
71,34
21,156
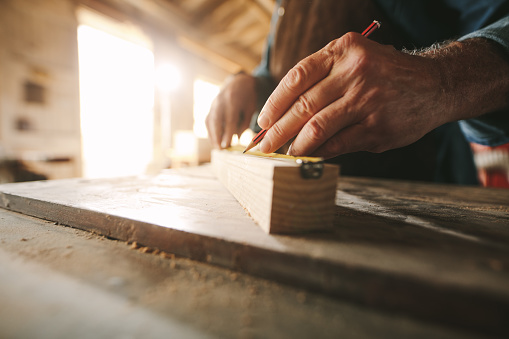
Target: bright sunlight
117,99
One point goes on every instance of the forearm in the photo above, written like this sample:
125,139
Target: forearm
474,77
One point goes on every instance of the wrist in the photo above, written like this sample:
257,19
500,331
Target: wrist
473,77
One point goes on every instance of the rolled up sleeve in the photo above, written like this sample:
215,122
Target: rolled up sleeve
490,129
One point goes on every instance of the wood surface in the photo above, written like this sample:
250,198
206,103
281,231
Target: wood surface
435,252
59,282
274,192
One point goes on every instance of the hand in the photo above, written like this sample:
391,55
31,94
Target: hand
231,110
354,95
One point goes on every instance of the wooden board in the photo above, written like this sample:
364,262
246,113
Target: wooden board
124,292
434,252
275,192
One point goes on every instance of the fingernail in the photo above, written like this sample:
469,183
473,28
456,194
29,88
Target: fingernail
289,150
265,145
263,121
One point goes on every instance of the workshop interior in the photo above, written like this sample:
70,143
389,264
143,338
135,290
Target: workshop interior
120,219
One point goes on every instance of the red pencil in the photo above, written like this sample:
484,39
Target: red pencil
256,140
374,25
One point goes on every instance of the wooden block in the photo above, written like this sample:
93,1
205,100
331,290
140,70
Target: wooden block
273,191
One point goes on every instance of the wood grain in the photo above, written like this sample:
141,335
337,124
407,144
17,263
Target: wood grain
435,252
274,193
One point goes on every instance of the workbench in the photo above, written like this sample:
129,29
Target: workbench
175,253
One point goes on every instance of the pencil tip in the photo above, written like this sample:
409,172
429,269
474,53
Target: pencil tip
244,151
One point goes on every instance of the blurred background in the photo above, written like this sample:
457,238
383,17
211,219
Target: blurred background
101,88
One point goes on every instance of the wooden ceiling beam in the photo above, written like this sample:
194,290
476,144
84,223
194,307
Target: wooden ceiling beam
267,6
260,11
206,10
220,20
172,17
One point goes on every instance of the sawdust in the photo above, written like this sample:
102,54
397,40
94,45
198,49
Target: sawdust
163,255
221,302
496,265
301,297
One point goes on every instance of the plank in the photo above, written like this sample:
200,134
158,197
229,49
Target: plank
274,191
434,252
29,291
123,291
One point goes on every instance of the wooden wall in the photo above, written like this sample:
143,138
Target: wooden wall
39,85
39,98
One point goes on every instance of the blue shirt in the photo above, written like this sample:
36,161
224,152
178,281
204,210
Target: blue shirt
429,21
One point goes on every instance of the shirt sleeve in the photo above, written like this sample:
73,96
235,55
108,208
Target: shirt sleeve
490,129
497,31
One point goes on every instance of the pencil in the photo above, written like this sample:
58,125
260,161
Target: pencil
256,140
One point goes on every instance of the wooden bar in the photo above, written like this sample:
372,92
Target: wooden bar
275,192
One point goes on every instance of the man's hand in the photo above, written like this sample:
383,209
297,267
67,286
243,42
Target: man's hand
232,110
357,95
353,95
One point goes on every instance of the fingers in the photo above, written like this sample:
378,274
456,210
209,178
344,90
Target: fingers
305,90
223,121
214,123
240,123
243,122
353,95
298,80
232,110
351,139
311,102
314,100
230,126
322,126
